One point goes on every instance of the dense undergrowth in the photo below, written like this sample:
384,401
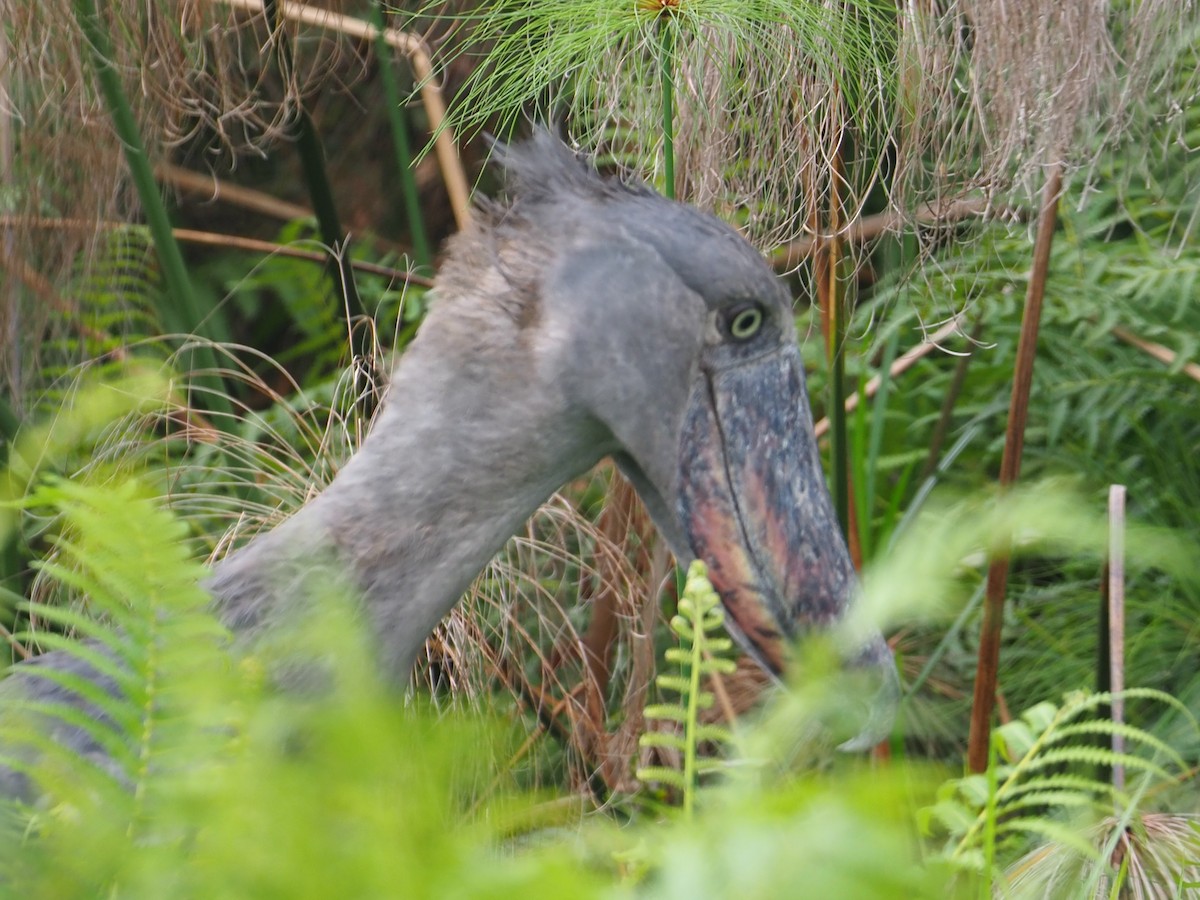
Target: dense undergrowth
180,437
222,785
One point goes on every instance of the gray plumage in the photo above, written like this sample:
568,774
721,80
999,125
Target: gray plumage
580,318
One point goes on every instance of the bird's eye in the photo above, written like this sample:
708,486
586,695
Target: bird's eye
745,322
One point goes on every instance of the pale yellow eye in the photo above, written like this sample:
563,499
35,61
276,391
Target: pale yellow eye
745,323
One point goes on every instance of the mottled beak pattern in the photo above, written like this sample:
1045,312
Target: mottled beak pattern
754,502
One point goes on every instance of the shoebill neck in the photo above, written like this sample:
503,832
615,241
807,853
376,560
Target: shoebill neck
458,460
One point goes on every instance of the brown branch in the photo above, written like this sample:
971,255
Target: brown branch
864,229
910,357
231,241
987,670
1164,355
618,518
196,427
213,188
235,242
717,682
902,364
38,285
417,52
623,744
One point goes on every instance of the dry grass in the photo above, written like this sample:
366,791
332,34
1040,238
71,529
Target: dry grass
196,79
958,101
518,643
1158,855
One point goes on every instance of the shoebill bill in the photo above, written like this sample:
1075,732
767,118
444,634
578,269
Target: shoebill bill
580,318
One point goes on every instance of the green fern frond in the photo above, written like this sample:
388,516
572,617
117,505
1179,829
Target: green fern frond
663,775
712,734
1037,780
667,739
665,712
150,634
114,294
700,615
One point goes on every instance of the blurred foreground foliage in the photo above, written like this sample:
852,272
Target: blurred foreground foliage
224,785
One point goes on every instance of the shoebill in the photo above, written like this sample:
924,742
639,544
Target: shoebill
582,317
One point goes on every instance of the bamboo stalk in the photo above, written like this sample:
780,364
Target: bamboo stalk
418,55
987,669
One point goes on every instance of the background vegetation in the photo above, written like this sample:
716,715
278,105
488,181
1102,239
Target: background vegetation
928,177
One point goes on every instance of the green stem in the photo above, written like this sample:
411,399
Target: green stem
398,118
838,456
693,711
12,566
179,286
989,828
312,163
666,44
10,424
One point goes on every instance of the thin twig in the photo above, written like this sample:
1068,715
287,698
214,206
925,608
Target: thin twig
903,363
618,520
214,188
40,286
642,660
827,271
215,239
857,231
717,681
1164,355
417,52
946,415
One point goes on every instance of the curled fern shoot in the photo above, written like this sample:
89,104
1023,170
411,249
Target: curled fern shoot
697,624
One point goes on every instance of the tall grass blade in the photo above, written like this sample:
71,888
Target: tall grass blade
666,47
398,120
179,286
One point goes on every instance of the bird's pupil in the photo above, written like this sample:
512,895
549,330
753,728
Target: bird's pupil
746,323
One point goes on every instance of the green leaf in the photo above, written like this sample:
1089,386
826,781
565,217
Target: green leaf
665,712
663,775
667,739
